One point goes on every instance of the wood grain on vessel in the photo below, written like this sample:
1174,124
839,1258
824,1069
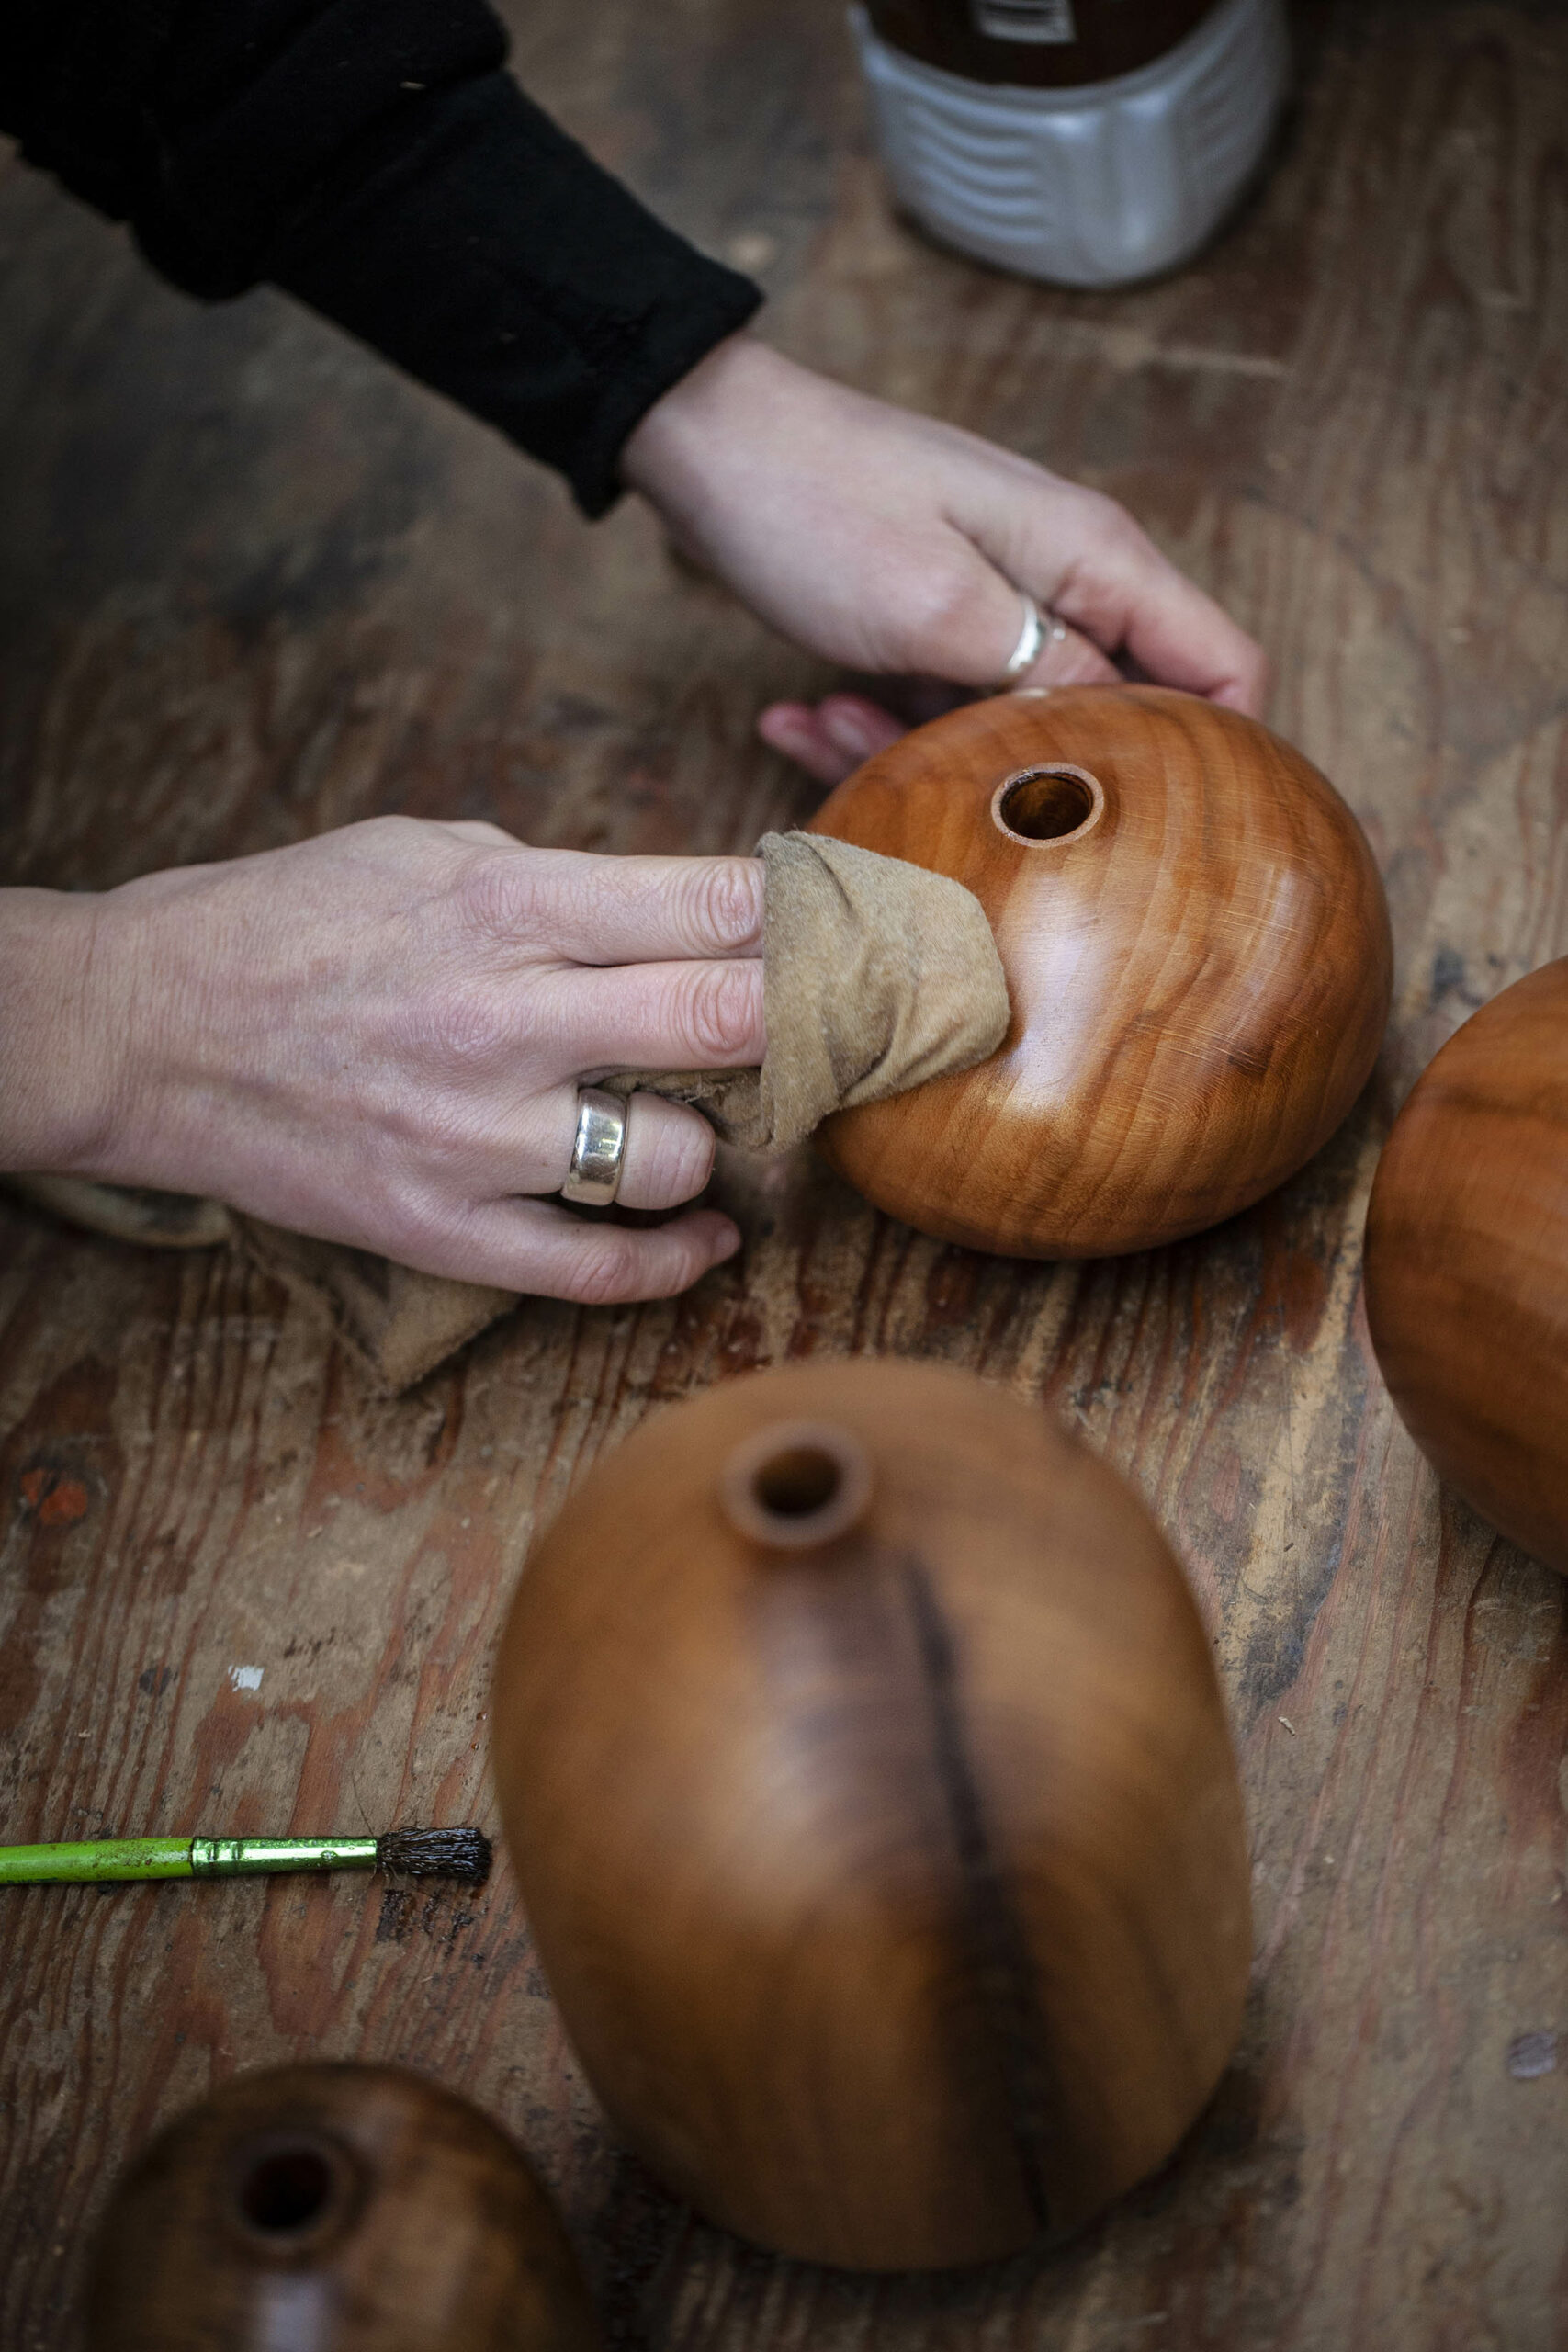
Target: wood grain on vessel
334,2209
1197,949
868,1785
1467,1264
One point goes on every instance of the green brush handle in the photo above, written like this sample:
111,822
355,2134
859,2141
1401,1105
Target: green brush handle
98,1861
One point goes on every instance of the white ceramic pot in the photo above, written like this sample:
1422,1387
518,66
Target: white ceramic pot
1095,184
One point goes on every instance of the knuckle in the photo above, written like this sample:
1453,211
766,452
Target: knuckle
1083,663
938,598
1098,532
678,1160
720,1008
437,1236
481,830
605,1270
1120,535
388,832
463,1028
724,901
1100,512
495,893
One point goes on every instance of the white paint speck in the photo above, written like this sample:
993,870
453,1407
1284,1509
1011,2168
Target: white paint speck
245,1678
1531,2055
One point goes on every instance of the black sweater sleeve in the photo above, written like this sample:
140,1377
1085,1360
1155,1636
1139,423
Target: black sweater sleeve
373,157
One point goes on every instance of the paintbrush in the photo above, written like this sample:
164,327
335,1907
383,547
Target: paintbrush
462,1854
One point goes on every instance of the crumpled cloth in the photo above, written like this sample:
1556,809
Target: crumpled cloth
876,976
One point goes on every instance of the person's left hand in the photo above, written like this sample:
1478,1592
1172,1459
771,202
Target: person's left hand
891,542
898,544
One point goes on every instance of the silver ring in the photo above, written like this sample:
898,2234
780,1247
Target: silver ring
1030,637
598,1149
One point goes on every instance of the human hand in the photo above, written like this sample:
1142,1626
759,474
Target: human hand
377,1036
894,543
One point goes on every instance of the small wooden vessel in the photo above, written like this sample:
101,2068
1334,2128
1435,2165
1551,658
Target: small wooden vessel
1197,947
334,2209
867,1779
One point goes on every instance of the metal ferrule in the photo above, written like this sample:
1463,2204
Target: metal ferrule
242,1857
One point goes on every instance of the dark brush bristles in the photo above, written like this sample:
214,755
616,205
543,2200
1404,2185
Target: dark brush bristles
435,1853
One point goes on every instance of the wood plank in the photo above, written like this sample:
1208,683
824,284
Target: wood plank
253,586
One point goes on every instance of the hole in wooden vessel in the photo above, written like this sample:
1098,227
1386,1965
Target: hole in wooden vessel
289,2189
1048,804
796,1484
805,1479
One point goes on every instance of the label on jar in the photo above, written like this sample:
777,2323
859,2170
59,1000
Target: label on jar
1024,19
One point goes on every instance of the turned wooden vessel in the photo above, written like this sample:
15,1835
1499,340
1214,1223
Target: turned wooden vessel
334,2209
1467,1264
1197,947
865,1772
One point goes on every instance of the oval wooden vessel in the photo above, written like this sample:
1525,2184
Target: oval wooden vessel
867,1779
346,2209
1467,1264
1197,948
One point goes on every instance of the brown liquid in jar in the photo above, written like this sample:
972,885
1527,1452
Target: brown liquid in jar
1038,44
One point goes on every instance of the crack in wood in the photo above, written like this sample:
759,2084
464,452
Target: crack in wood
1001,1965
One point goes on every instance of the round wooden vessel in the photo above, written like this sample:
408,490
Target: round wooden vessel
865,1772
1467,1264
1197,947
346,2209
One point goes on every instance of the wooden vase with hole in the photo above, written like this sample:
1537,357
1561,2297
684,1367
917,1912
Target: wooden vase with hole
1197,948
334,2209
1467,1264
863,1765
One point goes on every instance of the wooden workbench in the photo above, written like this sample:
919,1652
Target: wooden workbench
254,586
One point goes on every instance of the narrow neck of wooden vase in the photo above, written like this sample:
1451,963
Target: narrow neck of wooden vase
291,2192
1048,806
795,1486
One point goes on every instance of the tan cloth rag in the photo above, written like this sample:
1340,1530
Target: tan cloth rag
397,1324
876,976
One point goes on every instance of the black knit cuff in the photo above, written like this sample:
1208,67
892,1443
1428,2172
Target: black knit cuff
486,253
372,157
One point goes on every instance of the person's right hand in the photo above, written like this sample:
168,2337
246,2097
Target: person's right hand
377,1036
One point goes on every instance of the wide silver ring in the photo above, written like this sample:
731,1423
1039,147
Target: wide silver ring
1037,627
598,1149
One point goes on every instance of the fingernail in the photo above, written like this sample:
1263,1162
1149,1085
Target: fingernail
785,727
848,730
728,1243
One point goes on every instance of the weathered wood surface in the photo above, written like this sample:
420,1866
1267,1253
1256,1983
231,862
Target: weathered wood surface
253,586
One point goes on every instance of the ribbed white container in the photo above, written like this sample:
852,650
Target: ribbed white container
1092,186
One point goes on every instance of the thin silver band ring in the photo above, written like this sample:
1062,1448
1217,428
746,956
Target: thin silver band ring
1031,637
598,1149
